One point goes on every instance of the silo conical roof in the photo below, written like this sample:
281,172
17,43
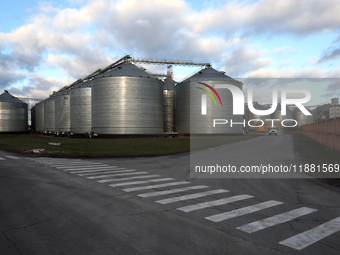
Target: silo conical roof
126,69
7,97
258,106
86,84
209,73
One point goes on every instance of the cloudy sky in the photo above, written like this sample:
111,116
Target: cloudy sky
47,45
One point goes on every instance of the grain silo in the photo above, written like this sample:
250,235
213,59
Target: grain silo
126,100
13,114
81,108
49,114
258,106
39,113
301,118
189,118
62,112
278,116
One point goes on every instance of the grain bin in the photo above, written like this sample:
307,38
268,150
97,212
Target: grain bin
277,115
13,114
258,106
81,108
127,101
301,118
62,112
39,113
49,114
189,118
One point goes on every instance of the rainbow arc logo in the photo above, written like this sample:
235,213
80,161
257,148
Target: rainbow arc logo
209,93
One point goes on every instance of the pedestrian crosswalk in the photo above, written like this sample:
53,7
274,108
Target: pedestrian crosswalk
12,157
243,211
9,157
124,174
154,187
172,191
313,235
192,196
219,202
139,182
275,220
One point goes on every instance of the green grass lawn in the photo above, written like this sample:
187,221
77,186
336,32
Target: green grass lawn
110,147
314,152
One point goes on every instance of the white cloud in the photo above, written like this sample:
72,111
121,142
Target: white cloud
81,39
143,22
284,51
288,73
270,17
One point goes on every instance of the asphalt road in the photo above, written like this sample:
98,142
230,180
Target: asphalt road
66,206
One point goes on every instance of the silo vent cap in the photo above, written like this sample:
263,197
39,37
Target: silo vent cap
6,91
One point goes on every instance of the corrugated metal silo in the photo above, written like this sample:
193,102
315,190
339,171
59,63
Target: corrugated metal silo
277,115
301,118
62,112
188,105
257,106
127,100
39,113
81,108
49,114
13,114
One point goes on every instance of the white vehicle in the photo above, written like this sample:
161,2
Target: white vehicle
272,130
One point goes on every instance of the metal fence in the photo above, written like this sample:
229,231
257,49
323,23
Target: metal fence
326,132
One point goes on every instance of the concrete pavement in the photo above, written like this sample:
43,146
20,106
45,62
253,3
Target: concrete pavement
98,206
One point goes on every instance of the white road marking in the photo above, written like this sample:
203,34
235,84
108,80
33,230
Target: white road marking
54,164
129,178
2,159
101,172
94,171
12,157
58,161
243,211
141,182
313,235
74,164
171,191
53,159
222,201
192,196
81,166
111,175
89,168
155,186
276,219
